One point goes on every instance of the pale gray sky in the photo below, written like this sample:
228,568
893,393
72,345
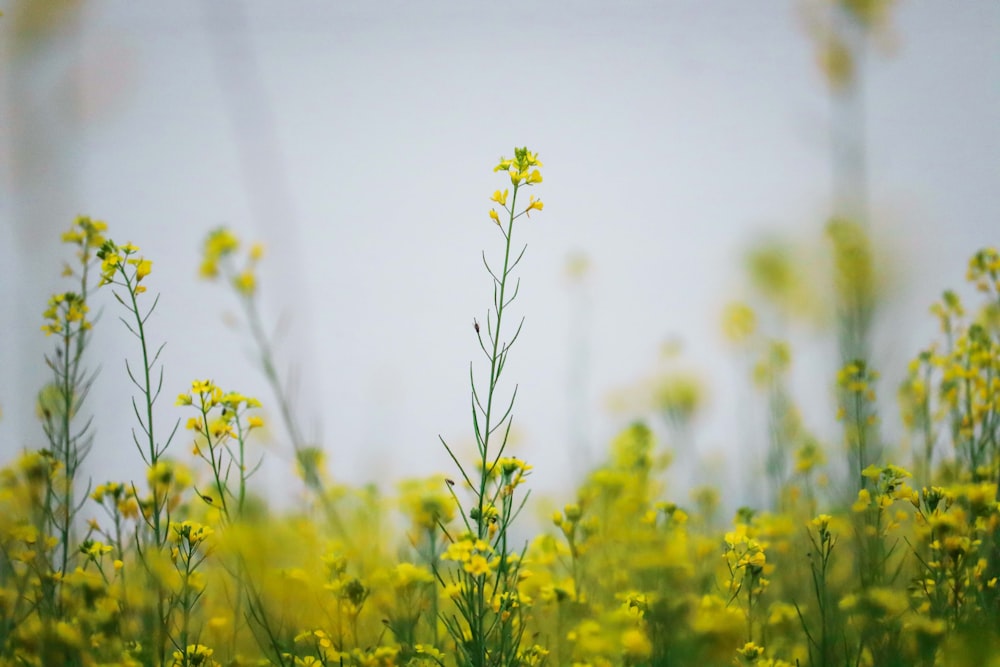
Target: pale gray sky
357,140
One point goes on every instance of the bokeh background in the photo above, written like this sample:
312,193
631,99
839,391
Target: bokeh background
356,139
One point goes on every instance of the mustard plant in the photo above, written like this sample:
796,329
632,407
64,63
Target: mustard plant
188,551
855,383
45,518
841,37
792,452
221,429
220,260
823,641
428,507
487,623
856,300
69,441
952,390
746,560
59,402
123,268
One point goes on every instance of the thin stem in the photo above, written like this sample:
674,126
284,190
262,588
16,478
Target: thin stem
494,369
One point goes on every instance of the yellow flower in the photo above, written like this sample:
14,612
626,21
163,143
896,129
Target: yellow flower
94,549
750,652
500,197
245,283
109,264
202,387
457,551
406,574
636,645
863,501
822,522
142,269
477,565
534,205
423,649
220,243
195,654
68,635
738,322
191,532
222,428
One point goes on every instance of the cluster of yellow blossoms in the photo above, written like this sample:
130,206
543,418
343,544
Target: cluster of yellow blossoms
220,247
523,171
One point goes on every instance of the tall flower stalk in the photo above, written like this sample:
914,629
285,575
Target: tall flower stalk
486,624
67,318
123,268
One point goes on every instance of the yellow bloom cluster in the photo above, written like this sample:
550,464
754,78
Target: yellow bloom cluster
194,655
115,261
190,533
219,243
520,167
95,550
219,414
426,503
86,233
476,556
745,551
738,322
984,270
523,171
219,248
955,383
855,378
64,311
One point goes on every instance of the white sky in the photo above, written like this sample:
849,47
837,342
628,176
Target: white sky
357,140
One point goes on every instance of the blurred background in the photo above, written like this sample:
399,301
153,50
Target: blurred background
687,148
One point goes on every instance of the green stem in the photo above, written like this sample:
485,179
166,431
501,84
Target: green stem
147,391
484,453
432,537
494,370
65,448
215,462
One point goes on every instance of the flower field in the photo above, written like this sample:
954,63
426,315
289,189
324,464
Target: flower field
868,553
